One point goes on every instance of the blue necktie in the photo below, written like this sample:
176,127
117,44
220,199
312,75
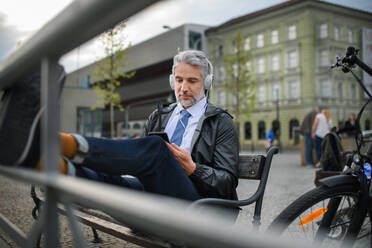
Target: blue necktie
180,128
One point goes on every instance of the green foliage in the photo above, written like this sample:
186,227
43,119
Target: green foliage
109,75
239,85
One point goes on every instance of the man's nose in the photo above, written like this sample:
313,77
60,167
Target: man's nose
184,87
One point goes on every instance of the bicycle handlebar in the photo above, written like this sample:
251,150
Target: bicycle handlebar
348,62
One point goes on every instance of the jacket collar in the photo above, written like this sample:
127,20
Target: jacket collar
211,110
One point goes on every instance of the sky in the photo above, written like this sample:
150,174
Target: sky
20,19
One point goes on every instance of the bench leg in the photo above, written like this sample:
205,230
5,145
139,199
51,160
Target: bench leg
96,239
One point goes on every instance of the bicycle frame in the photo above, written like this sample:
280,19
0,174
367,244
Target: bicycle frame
356,178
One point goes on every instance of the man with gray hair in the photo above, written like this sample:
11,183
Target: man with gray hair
200,160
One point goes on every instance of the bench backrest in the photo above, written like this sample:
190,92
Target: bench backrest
250,166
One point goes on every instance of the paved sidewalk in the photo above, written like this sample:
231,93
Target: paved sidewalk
287,180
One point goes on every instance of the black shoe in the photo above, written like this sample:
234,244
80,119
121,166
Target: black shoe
20,115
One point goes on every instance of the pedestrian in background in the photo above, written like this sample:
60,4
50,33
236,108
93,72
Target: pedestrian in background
306,128
321,126
350,126
270,138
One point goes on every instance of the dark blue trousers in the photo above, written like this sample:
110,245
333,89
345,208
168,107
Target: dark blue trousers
318,142
308,149
148,159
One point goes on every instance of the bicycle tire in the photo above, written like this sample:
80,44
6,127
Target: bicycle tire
311,206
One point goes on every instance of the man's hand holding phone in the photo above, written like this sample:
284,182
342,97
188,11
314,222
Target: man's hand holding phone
183,157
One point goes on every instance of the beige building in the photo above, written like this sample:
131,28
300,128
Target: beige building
292,46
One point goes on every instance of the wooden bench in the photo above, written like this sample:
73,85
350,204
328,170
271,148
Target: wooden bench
254,167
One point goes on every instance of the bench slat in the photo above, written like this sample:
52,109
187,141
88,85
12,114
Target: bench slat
250,166
104,224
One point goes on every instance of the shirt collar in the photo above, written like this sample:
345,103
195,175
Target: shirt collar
194,109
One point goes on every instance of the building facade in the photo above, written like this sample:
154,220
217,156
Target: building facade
292,46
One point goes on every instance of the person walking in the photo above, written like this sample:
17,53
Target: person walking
321,126
306,128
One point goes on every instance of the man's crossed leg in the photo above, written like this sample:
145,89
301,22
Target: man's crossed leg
148,159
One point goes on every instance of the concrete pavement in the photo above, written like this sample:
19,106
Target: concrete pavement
287,181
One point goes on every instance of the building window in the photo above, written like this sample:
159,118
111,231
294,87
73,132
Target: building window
261,130
261,93
195,40
275,125
353,93
220,50
337,33
325,88
233,99
293,89
369,88
89,122
292,124
292,59
234,46
221,97
260,65
235,71
340,92
249,95
275,91
85,82
292,33
350,35
367,125
248,130
248,65
260,40
323,30
247,44
275,62
221,73
324,57
136,126
274,36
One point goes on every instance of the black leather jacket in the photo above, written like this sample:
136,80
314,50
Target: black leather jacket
215,150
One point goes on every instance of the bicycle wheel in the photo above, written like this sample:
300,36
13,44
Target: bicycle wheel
301,219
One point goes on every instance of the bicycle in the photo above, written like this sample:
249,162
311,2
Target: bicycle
338,213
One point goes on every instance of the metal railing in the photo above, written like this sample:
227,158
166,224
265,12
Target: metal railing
80,21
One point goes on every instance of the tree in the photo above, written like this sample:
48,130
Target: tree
108,75
238,83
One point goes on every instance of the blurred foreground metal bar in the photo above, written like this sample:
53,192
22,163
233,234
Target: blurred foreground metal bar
156,214
79,22
13,231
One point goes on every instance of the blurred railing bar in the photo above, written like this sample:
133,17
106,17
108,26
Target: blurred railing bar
151,213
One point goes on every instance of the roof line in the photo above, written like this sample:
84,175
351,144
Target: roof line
270,9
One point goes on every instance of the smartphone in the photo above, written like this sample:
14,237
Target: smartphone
161,134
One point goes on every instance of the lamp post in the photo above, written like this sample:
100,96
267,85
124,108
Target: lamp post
277,118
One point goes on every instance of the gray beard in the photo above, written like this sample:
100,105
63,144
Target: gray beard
193,100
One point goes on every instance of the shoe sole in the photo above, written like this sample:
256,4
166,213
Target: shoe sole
20,116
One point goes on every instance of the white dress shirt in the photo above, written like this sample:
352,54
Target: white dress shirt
196,111
323,126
